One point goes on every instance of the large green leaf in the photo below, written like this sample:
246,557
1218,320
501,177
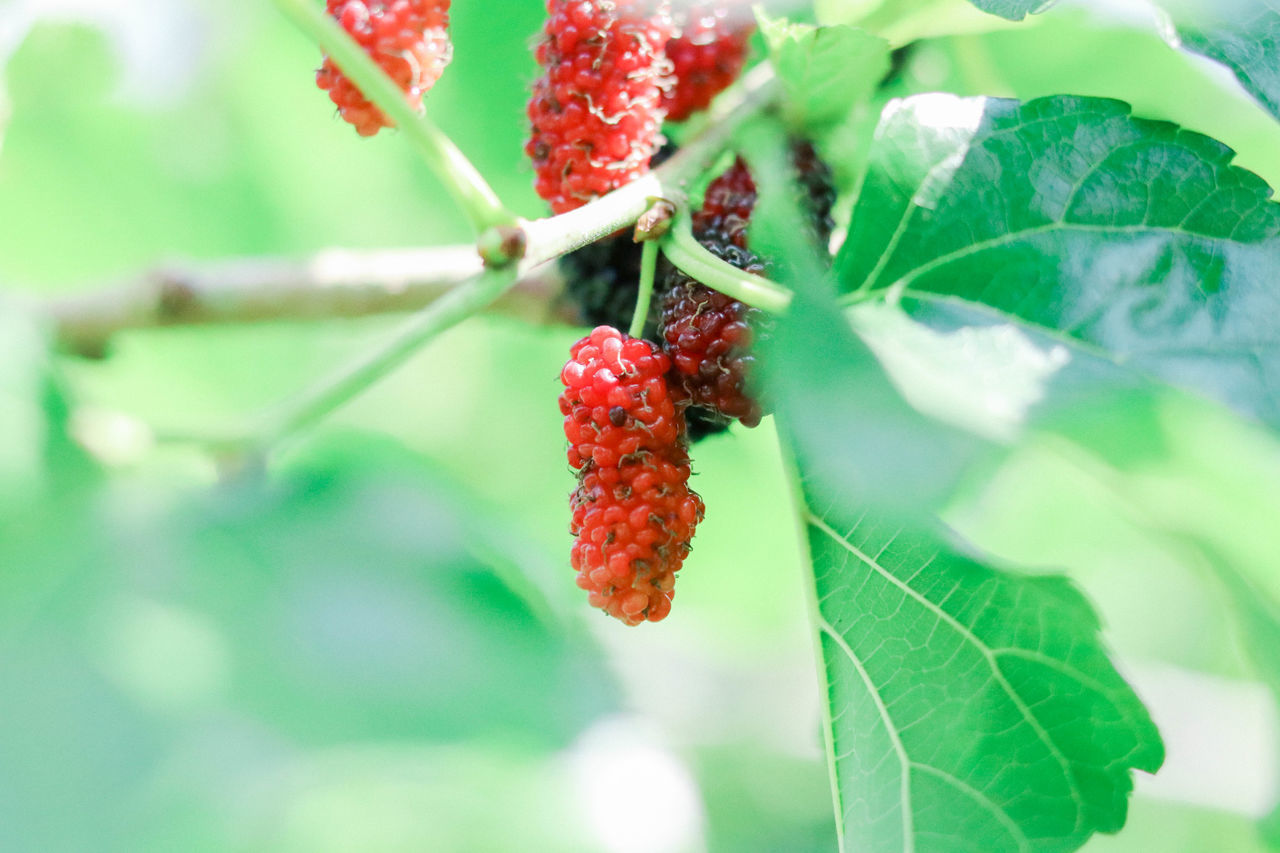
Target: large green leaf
972,709
1243,35
1014,10
1130,240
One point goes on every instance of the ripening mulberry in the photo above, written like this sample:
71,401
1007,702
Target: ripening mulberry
409,39
707,56
729,199
817,185
633,511
726,207
708,335
709,338
597,108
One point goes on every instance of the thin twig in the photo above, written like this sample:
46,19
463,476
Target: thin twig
455,306
347,283
648,266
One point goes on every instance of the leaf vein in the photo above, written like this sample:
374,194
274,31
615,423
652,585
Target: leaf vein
982,648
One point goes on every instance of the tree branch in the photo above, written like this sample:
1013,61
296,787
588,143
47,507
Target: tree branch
329,284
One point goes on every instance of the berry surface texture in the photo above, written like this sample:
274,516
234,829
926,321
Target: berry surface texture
596,111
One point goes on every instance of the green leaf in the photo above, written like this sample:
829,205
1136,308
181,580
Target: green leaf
825,71
972,709
1014,10
1243,35
1127,240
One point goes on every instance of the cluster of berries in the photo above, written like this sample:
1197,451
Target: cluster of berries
612,72
634,408
633,511
409,39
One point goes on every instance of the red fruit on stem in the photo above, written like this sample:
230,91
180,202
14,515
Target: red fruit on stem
709,338
597,108
633,511
707,56
409,39
708,335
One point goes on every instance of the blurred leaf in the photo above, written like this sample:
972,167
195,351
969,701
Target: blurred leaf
1258,619
1014,10
1178,828
1128,239
1243,35
341,601
825,71
361,572
758,801
846,424
992,378
971,708
1269,828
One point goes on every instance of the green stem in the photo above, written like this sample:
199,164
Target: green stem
648,264
689,255
469,188
446,312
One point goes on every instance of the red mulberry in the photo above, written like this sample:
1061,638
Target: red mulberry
409,39
633,512
707,56
597,109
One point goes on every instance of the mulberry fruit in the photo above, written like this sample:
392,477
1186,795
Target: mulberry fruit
709,335
706,57
818,191
709,338
726,207
633,511
409,39
729,199
597,109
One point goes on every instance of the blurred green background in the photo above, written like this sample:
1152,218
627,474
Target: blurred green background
377,644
